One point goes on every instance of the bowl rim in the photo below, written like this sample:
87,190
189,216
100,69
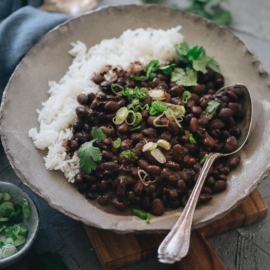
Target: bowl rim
18,255
192,17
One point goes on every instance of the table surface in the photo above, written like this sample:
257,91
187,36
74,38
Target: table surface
246,248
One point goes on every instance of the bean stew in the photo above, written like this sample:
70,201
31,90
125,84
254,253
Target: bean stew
155,136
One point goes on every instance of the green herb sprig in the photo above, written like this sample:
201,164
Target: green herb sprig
89,155
195,57
211,108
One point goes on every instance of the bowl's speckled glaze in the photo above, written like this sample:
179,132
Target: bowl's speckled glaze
49,60
32,223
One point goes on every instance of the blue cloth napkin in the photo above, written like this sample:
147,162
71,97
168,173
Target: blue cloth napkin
20,30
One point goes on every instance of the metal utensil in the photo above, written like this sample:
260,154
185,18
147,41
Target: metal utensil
71,7
175,246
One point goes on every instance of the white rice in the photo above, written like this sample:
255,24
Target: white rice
58,112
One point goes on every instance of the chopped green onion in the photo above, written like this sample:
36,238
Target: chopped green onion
6,196
8,250
133,118
129,154
117,143
191,139
138,78
26,209
167,70
114,86
6,208
135,128
156,119
141,214
203,159
121,116
157,107
186,96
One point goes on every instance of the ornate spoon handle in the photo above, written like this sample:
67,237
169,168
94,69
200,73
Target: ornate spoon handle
175,246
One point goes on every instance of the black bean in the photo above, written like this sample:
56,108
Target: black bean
74,145
111,107
153,169
81,112
181,186
82,99
176,90
149,132
230,144
79,178
205,197
77,126
234,161
225,113
136,137
91,97
216,124
196,110
219,186
158,208
193,125
98,79
123,128
138,188
232,96
207,190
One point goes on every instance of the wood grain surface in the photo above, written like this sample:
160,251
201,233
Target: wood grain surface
115,250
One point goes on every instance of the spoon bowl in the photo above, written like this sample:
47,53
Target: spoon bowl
175,246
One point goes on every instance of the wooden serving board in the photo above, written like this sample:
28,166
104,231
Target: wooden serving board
115,250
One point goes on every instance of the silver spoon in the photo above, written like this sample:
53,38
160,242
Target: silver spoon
175,246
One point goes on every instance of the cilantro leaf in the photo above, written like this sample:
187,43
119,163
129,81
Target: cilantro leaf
98,134
186,78
181,49
214,65
201,63
211,108
89,155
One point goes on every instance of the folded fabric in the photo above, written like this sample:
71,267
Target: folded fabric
9,6
19,33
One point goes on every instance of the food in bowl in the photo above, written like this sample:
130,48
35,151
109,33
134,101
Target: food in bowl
13,231
147,119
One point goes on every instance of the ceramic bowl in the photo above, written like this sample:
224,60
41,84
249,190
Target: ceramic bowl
32,223
49,60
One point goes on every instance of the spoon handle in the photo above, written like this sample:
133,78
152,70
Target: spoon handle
175,246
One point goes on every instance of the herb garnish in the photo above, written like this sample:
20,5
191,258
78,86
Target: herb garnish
89,155
157,107
191,139
186,96
117,143
203,159
129,154
195,57
141,214
167,70
186,77
211,108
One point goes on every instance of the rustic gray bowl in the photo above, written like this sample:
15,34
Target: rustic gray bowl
32,223
49,60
